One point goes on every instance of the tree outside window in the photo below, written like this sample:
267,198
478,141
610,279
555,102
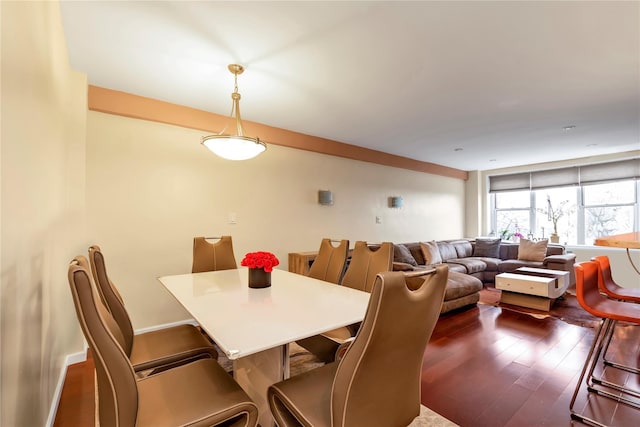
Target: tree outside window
554,213
608,209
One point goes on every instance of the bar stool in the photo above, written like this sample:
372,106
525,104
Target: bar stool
611,289
609,311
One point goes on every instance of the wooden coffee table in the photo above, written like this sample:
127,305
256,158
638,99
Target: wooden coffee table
530,287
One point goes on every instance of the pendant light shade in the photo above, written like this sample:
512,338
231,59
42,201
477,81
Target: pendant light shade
234,147
238,146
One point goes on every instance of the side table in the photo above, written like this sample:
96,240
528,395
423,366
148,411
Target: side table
299,262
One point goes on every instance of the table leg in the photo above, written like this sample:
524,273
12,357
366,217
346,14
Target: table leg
631,261
256,372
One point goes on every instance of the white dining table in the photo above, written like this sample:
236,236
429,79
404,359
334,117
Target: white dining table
253,327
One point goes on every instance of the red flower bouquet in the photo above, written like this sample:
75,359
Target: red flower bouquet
264,260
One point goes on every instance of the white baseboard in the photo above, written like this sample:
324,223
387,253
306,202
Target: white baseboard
70,359
76,357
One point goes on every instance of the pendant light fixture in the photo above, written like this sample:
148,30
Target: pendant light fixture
238,146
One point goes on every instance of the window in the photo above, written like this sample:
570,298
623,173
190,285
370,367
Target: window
609,209
555,213
580,203
512,214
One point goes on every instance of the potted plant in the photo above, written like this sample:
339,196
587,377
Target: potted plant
554,215
509,235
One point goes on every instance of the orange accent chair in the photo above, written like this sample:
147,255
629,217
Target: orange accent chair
610,311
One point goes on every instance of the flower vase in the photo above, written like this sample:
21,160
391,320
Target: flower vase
258,278
555,238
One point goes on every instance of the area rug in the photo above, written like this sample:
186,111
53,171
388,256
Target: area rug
566,309
428,418
300,360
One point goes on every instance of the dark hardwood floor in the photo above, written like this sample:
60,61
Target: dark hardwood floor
489,366
485,366
77,401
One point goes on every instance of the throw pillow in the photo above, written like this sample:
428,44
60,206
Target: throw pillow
430,252
402,254
487,248
532,251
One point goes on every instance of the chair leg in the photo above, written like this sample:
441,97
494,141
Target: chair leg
586,420
600,382
631,369
603,333
589,364
605,336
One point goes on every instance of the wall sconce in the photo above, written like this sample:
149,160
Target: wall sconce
395,202
325,197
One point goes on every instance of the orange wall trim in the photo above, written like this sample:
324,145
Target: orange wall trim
138,107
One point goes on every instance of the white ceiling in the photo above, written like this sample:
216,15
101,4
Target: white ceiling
498,80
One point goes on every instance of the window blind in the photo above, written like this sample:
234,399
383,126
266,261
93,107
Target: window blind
563,177
555,178
520,181
604,172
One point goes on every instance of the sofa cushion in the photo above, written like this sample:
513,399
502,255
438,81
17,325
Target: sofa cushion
402,254
416,252
430,252
532,251
508,250
453,304
472,265
491,263
460,285
510,265
463,248
489,248
555,249
447,251
403,266
458,268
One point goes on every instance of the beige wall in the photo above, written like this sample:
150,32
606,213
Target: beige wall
152,187
43,165
473,204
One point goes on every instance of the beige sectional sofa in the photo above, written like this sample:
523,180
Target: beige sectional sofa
475,262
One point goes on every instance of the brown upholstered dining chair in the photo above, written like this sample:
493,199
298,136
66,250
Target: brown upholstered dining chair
365,264
161,348
377,382
200,393
215,256
330,261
